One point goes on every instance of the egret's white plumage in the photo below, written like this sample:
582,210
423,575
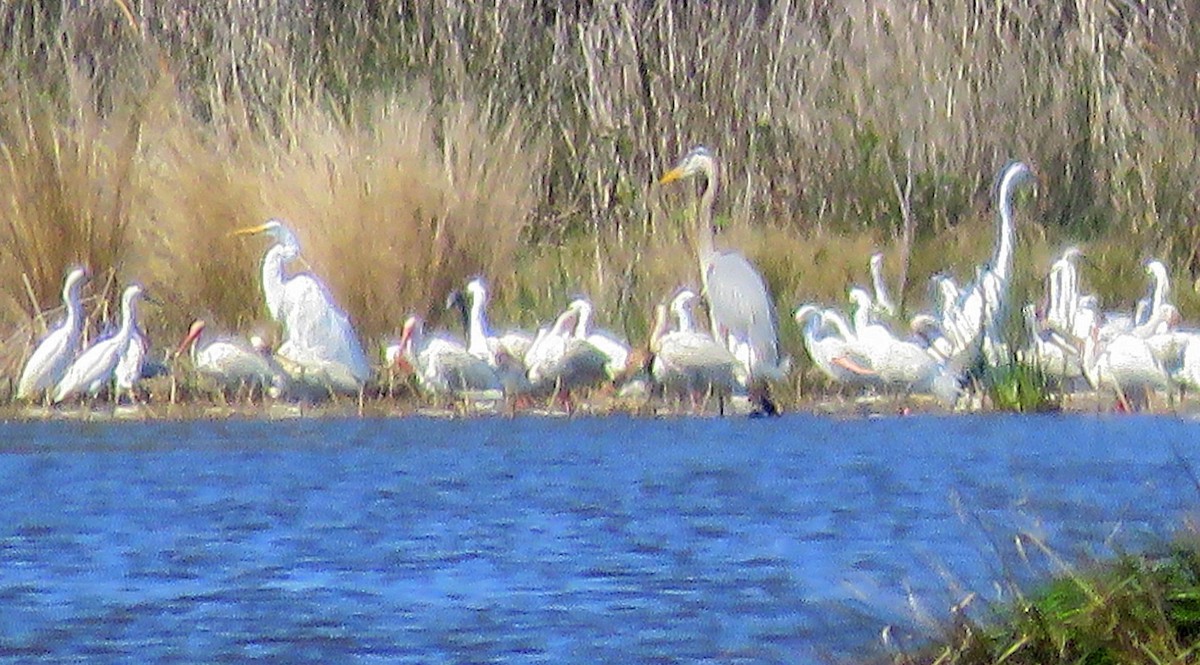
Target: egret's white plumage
95,367
883,300
318,336
54,353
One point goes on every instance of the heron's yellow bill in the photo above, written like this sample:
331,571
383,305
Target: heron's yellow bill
248,231
671,176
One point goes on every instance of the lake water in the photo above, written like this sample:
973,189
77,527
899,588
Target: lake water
547,540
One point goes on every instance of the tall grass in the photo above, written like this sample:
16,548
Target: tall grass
413,145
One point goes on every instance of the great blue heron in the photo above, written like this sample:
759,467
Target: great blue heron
95,367
229,361
319,338
740,307
53,355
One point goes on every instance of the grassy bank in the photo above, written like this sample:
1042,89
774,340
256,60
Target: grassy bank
1132,609
413,145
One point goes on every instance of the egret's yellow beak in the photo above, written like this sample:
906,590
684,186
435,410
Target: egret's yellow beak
248,231
671,176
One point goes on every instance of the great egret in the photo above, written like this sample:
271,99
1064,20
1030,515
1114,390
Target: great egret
983,305
229,361
690,362
445,368
54,353
318,336
740,307
615,350
95,367
504,352
883,301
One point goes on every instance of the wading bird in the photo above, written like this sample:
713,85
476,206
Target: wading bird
983,305
95,367
740,308
615,351
230,362
318,337
883,301
689,362
53,355
444,368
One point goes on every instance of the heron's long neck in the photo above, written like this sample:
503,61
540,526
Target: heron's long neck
477,334
1002,262
705,245
273,278
583,325
684,317
74,320
862,315
128,321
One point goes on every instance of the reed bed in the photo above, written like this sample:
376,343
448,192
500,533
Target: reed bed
413,145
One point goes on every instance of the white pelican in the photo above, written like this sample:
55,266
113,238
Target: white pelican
1132,364
681,307
94,368
740,307
615,350
983,306
444,367
883,301
318,336
229,361
1051,351
54,353
689,362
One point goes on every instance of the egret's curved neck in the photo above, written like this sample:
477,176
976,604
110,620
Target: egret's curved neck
74,321
128,319
683,315
1162,289
705,245
478,331
273,276
881,293
1002,262
862,313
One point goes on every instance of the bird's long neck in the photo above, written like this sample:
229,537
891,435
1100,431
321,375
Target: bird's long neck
128,320
661,325
881,293
705,244
1002,262
74,320
1162,288
584,323
273,277
683,316
862,314
477,333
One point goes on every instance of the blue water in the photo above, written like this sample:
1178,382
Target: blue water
591,540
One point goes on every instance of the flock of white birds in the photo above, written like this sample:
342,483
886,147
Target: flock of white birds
736,351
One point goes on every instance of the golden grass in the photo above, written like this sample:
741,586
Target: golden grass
412,148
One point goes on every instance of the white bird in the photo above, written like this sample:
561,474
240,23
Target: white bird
132,362
983,305
1063,294
318,336
740,307
1160,293
614,349
688,362
504,352
95,367
681,308
54,353
559,362
443,367
883,301
830,344
898,363
1132,364
229,361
